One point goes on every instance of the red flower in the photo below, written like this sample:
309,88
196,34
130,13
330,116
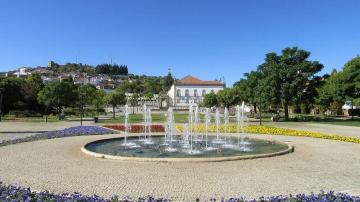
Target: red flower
136,128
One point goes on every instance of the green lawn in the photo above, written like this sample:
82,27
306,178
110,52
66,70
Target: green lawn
355,122
29,119
156,118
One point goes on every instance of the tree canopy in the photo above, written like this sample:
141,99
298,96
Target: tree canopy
58,95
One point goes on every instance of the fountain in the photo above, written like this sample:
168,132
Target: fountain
227,142
188,144
218,140
169,131
126,130
196,124
147,126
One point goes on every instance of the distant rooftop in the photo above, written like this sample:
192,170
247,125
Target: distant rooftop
191,80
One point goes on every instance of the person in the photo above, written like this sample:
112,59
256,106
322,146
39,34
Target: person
276,117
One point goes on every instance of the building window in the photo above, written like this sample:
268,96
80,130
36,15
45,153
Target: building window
178,93
203,92
195,93
187,92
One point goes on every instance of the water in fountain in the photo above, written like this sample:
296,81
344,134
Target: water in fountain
243,117
196,122
191,118
148,120
126,130
207,123
227,143
240,117
226,122
188,142
170,129
144,108
218,140
185,136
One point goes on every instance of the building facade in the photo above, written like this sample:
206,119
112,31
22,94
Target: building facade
191,90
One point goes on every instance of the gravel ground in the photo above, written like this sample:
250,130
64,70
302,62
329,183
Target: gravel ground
59,165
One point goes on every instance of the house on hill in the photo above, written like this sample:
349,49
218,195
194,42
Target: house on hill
191,90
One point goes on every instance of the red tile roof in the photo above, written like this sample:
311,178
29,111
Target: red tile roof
191,80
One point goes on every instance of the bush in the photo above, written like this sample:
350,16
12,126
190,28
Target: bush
354,112
24,113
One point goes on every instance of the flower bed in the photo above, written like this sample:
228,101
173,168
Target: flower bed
14,193
137,128
67,132
269,130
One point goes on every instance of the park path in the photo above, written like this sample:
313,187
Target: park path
348,131
14,130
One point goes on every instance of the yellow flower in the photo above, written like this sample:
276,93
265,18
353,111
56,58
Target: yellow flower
269,130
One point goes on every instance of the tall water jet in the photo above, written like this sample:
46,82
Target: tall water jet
191,118
226,122
185,136
126,123
170,129
242,123
126,129
217,122
207,122
196,123
238,117
144,108
148,125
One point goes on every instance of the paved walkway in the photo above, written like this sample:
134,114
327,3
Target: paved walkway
58,165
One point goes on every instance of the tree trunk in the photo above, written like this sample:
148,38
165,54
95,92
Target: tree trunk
260,115
255,111
286,109
59,112
113,112
81,115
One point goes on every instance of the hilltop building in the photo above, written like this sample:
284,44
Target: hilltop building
191,90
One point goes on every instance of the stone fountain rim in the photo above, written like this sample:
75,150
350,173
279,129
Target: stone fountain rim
290,148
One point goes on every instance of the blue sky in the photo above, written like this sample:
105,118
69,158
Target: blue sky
206,38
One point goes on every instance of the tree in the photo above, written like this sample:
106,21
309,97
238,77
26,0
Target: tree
86,96
228,97
169,80
210,100
246,88
115,99
287,76
58,95
99,100
134,101
11,93
341,86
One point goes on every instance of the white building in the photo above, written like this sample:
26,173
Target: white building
191,90
22,72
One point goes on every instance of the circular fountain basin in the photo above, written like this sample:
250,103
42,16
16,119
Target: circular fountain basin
177,151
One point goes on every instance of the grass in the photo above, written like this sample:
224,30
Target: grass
29,119
349,122
156,118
